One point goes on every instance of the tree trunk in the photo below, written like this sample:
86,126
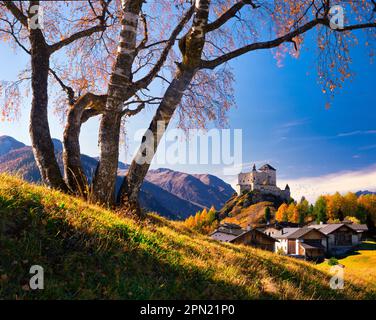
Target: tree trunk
130,188
120,90
87,106
191,46
43,147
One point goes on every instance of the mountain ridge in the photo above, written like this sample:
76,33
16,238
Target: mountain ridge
177,200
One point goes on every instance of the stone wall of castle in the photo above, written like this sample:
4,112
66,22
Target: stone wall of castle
263,181
274,190
258,178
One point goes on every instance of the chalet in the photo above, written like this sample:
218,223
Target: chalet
307,243
233,233
341,236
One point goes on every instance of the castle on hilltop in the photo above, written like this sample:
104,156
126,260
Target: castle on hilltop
264,180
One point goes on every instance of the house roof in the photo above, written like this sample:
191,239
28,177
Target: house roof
235,232
316,226
285,232
267,167
294,233
301,232
228,230
329,228
359,227
222,236
257,231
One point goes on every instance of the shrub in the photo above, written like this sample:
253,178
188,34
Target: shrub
333,261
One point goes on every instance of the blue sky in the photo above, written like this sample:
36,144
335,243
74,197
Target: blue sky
281,111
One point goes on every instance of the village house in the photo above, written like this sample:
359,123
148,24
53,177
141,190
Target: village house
342,237
307,243
233,233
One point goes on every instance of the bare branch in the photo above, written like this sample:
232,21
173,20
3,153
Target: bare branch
76,36
211,64
230,13
146,34
67,89
17,13
13,34
144,82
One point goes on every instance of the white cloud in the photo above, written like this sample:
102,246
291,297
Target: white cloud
295,123
356,133
343,181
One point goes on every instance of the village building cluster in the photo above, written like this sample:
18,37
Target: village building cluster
311,242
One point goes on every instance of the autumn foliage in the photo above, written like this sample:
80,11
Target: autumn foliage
331,208
204,221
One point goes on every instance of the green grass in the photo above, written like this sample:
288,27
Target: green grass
360,266
90,252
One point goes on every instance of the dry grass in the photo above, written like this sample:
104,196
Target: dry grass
251,215
360,266
91,252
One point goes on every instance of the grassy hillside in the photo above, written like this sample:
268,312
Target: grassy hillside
90,252
252,215
360,266
249,208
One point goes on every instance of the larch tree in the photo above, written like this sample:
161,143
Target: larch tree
281,214
122,48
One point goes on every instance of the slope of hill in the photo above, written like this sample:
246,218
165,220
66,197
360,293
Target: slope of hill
253,215
203,190
18,158
88,252
249,208
153,198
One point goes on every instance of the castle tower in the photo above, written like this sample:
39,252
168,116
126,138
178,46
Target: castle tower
268,175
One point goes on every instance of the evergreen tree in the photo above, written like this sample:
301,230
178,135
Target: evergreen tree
267,214
320,209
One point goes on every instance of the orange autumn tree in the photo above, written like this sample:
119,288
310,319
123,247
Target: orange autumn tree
281,214
334,205
182,46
